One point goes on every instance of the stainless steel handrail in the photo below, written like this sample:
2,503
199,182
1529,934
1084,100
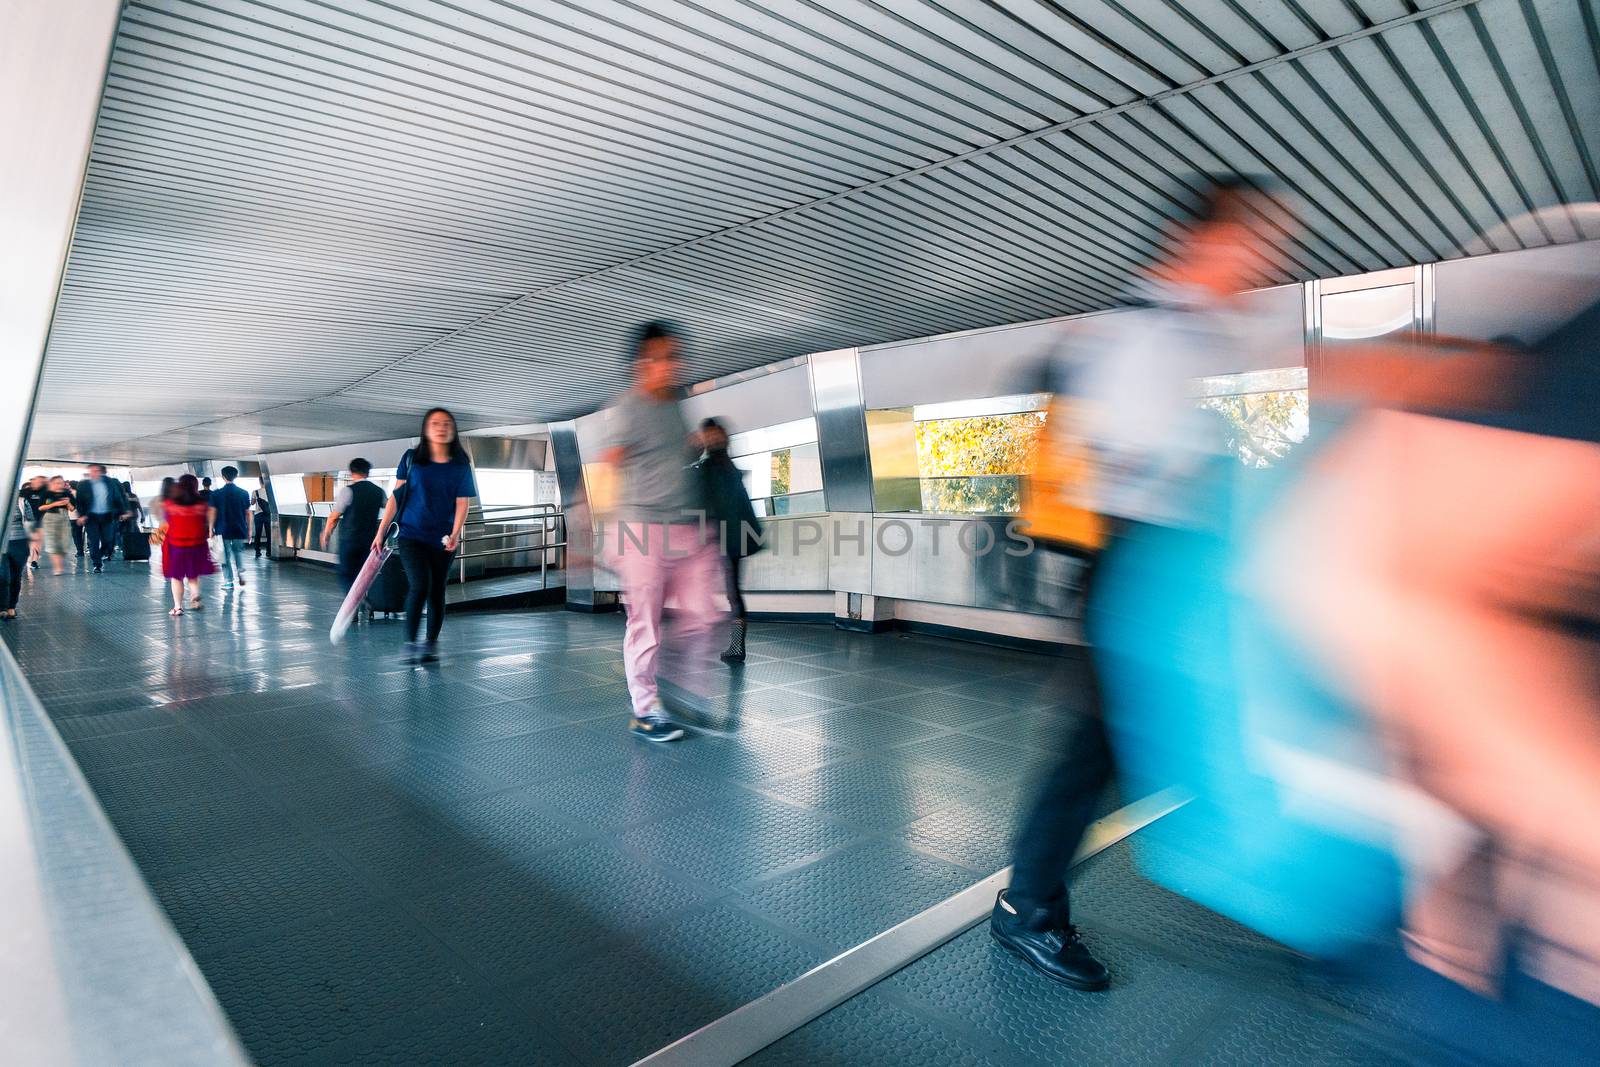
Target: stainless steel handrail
543,518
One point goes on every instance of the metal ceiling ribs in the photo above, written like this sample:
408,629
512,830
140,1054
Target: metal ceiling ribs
306,220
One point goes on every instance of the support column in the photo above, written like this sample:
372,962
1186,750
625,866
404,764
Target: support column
53,59
579,519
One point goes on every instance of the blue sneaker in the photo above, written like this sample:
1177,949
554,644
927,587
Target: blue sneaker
655,726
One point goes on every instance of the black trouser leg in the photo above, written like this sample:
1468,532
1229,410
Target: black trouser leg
77,537
427,571
1061,812
350,564
1067,796
735,594
414,558
14,562
262,532
438,576
99,530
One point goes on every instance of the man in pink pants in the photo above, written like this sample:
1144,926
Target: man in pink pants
661,544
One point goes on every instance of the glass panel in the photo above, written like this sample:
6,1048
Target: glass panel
500,488
147,491
70,471
892,449
289,492
791,504
993,494
1257,381
770,438
805,469
1264,423
797,504
962,456
992,405
988,444
791,462
1367,314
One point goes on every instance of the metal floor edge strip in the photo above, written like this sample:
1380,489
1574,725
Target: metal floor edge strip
752,1027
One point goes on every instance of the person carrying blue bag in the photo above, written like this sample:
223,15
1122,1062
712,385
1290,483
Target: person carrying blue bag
1164,707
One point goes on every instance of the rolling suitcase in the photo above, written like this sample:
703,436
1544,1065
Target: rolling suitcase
135,543
389,587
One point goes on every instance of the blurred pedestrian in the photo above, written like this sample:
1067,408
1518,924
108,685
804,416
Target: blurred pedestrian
357,507
135,506
734,517
262,521
32,495
185,531
663,547
55,507
1145,439
18,540
230,521
1470,634
102,508
434,486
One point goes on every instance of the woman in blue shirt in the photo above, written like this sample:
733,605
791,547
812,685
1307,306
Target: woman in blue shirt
434,484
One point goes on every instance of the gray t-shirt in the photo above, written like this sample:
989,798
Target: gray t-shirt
658,482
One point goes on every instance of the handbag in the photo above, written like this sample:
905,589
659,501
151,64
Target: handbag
402,495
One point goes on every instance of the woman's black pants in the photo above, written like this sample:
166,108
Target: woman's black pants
735,595
427,569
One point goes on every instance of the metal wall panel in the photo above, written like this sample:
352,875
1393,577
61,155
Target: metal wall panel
1516,294
768,400
921,558
796,559
967,365
841,430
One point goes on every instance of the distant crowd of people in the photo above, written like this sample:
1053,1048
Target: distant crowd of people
99,517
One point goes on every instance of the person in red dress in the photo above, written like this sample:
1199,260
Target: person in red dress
185,551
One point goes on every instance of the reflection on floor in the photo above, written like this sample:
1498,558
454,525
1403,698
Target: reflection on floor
474,863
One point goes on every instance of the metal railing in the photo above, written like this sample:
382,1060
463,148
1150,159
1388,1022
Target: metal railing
545,520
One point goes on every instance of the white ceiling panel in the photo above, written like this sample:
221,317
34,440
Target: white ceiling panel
307,220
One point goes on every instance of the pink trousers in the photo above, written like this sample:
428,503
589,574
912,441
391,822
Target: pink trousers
658,563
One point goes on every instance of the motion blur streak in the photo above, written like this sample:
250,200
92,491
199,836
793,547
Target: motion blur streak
1377,667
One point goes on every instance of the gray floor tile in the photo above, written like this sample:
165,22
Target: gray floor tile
1145,1017
872,1031
873,792
534,914
638,997
857,893
727,845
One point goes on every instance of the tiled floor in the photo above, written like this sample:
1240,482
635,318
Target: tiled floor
474,863
476,859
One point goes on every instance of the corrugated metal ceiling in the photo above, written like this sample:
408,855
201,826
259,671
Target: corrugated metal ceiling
304,221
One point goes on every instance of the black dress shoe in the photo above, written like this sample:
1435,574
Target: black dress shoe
1048,946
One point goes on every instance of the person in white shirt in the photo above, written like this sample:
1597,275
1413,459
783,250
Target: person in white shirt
1132,375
